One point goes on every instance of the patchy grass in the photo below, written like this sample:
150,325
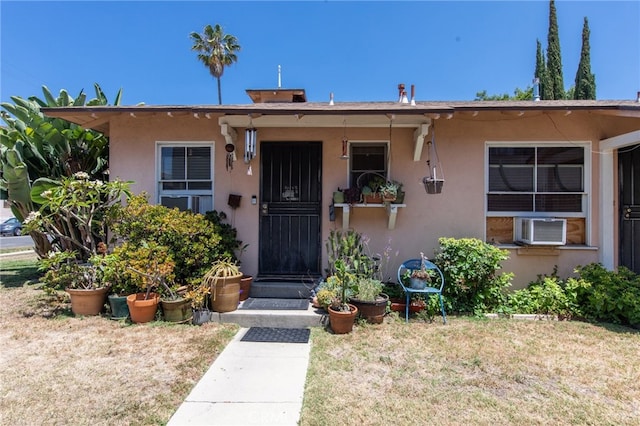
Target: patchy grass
59,369
15,273
474,372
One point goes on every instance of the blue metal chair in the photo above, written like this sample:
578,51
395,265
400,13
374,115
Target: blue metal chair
432,288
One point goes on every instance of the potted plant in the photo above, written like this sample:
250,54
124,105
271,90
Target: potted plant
114,272
224,279
352,195
370,300
419,278
342,314
153,265
370,196
389,191
432,185
398,302
326,291
82,281
199,297
400,194
338,196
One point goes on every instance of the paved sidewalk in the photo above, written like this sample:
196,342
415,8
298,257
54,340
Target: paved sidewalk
250,383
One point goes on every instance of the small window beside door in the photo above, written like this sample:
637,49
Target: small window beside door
186,176
367,158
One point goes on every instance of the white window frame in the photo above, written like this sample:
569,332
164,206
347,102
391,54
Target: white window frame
586,194
184,192
587,190
369,142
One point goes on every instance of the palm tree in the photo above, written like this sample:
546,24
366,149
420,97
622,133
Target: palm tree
216,50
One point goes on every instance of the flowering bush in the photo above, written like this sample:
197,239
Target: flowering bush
62,270
75,211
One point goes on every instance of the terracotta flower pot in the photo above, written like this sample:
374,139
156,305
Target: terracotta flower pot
87,301
342,322
143,310
245,286
225,294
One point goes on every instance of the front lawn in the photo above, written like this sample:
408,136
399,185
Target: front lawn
475,372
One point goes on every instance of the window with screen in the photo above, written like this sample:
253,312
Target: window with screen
536,179
186,176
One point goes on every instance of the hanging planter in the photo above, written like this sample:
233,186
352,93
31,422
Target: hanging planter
435,181
432,186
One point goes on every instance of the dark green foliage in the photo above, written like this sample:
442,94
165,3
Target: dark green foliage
585,85
549,295
472,283
518,95
33,146
610,296
554,58
597,294
192,241
541,72
229,243
350,247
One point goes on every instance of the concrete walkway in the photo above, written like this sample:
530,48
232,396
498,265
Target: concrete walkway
250,383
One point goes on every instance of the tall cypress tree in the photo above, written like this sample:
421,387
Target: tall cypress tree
585,87
554,59
541,72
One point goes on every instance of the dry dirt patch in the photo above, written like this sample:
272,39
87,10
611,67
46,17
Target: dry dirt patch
58,369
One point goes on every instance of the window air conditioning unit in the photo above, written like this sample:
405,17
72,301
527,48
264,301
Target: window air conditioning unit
541,231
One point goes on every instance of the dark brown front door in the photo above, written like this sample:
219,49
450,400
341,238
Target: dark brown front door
629,174
290,208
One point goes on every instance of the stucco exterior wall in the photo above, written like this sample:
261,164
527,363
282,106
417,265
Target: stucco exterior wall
459,211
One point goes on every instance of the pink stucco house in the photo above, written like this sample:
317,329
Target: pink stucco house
554,182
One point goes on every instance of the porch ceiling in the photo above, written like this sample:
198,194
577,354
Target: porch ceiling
229,123
303,120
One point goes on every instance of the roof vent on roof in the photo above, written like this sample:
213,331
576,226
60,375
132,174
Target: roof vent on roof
402,94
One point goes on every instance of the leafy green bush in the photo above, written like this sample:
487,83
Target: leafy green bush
229,243
192,241
549,295
609,295
472,284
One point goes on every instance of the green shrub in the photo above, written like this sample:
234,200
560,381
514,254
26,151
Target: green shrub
472,284
609,295
192,241
549,295
229,243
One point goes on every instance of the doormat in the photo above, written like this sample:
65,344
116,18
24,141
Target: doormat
276,335
276,304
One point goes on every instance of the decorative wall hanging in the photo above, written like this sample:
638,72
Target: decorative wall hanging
434,182
231,155
345,143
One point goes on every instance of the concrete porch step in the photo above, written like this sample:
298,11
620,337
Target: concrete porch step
282,289
311,317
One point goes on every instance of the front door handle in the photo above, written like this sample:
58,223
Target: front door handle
264,209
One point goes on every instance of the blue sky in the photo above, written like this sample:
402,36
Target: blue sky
360,51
